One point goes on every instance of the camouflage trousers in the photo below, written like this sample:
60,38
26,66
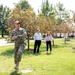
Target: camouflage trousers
18,52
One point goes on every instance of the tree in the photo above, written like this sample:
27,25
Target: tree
48,10
62,14
24,5
4,13
26,19
73,15
25,14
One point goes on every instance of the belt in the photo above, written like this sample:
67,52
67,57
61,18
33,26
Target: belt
38,40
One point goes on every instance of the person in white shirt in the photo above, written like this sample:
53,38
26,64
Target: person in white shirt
37,41
48,39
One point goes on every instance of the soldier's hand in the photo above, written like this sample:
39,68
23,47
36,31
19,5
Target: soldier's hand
14,37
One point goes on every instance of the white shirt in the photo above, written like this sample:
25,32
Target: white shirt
37,36
48,38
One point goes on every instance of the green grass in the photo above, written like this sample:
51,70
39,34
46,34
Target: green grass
60,62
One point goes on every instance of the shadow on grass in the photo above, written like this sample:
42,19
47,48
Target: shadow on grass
62,46
8,52
15,73
73,52
30,52
73,48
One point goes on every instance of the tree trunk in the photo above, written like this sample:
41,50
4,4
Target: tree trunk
65,40
65,37
2,33
60,35
28,42
53,42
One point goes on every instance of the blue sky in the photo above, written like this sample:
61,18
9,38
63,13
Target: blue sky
68,4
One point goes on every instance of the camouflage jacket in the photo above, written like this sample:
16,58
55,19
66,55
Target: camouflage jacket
21,33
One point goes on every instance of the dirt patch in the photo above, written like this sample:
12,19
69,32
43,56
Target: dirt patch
26,71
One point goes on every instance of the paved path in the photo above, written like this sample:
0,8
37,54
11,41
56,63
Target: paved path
3,42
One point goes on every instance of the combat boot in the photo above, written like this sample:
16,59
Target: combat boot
17,67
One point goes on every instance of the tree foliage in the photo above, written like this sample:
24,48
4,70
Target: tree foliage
62,13
47,9
24,5
26,19
4,13
45,21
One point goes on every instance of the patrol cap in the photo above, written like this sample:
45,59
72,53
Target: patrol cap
17,22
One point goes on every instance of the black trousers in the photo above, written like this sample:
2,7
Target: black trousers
48,44
37,46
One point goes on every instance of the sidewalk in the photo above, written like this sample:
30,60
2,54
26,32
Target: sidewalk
3,42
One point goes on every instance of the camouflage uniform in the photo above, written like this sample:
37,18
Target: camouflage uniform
19,43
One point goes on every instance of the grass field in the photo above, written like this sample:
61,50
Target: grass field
60,62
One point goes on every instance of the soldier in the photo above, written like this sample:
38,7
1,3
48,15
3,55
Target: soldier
18,35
